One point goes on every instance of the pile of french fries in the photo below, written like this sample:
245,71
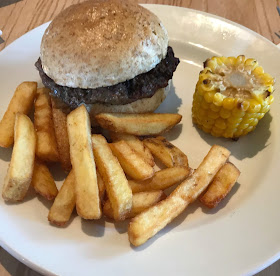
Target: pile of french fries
118,178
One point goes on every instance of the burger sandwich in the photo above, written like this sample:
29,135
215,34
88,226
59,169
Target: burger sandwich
111,55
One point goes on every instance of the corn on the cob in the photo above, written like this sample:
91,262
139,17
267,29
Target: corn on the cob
231,96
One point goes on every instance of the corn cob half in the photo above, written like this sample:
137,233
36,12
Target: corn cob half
231,96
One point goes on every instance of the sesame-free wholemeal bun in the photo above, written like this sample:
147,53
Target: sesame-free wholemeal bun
101,43
111,55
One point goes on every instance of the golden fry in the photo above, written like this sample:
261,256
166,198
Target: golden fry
117,188
64,202
20,170
101,186
221,185
86,188
60,129
21,102
140,202
138,124
147,224
46,146
166,152
132,163
161,180
136,144
43,182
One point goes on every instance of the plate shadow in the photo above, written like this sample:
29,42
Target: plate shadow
247,146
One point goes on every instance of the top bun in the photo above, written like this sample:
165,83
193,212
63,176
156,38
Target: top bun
101,43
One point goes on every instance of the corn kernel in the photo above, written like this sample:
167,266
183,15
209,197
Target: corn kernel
260,115
229,103
200,91
270,99
224,113
254,107
208,121
220,123
240,59
238,133
217,131
248,120
236,112
234,120
232,125
245,105
258,71
207,130
205,105
243,125
209,97
213,115
212,64
214,107
228,134
201,114
218,99
254,122
265,108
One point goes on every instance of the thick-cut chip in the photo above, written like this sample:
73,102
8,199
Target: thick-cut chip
101,186
136,144
46,146
117,188
162,179
166,152
140,202
20,171
21,102
64,202
151,221
132,163
138,124
43,182
60,129
86,188
221,185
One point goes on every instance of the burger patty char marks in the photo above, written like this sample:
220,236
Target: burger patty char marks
142,86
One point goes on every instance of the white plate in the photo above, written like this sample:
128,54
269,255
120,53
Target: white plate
240,237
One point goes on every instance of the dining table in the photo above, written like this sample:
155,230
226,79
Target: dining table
17,17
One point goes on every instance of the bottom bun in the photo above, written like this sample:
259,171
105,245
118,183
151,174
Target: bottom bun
144,105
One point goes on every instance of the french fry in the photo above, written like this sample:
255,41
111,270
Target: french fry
136,144
43,182
21,102
132,163
138,124
221,185
60,129
117,188
147,224
46,146
101,186
161,180
166,152
19,175
86,188
64,202
140,202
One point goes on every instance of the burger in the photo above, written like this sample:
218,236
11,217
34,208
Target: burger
111,55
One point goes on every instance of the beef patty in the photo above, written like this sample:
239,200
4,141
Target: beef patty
142,86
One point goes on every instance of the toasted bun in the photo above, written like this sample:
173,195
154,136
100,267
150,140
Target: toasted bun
101,43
